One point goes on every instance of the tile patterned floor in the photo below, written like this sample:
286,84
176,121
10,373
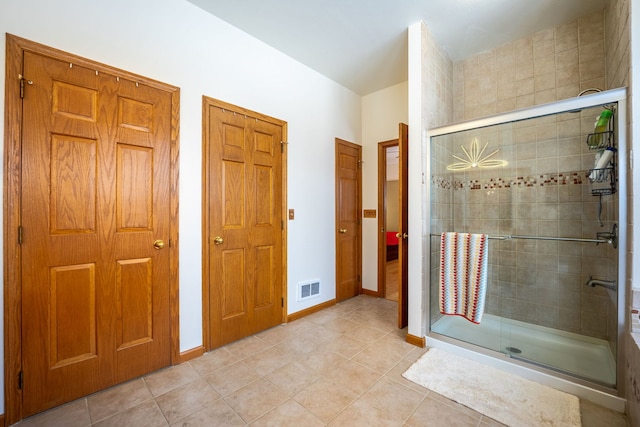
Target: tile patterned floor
339,367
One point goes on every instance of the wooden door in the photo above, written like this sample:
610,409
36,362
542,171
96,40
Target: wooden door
348,225
244,214
403,227
95,187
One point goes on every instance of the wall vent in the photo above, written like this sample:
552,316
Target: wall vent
308,289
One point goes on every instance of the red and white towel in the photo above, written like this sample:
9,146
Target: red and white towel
463,274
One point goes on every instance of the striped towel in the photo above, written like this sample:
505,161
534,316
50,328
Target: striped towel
463,274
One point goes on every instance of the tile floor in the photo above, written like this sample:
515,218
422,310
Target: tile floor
339,367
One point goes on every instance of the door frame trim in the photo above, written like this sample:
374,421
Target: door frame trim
382,215
15,49
206,185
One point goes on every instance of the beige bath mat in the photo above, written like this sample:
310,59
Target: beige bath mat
505,397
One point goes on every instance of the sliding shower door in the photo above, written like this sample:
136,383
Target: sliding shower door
551,291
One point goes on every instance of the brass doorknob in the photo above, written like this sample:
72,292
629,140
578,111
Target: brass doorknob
218,240
404,236
343,230
158,244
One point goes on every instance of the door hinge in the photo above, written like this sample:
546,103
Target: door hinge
170,243
282,144
358,278
20,380
282,302
22,80
19,234
282,225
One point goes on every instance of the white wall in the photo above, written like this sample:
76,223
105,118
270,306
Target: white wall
382,112
177,43
417,304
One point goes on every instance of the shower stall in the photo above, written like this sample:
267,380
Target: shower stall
547,184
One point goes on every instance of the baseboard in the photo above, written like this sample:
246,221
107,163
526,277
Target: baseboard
417,341
307,311
194,353
371,293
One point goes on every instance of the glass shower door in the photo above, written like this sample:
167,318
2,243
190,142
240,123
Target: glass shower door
531,186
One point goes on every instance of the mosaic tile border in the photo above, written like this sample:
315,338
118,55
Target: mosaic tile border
564,178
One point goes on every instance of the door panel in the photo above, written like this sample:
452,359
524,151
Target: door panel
233,195
73,185
244,219
134,290
348,208
264,277
233,297
134,195
95,191
73,338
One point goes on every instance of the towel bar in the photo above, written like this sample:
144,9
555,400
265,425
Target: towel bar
563,239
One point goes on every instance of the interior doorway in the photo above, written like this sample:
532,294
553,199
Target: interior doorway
393,221
388,276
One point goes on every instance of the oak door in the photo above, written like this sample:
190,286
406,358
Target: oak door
244,214
348,226
95,222
403,226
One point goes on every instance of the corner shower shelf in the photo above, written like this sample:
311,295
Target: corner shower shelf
602,179
601,175
602,191
600,140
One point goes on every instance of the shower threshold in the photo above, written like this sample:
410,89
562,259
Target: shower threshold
581,356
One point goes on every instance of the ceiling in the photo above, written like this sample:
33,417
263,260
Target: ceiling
362,44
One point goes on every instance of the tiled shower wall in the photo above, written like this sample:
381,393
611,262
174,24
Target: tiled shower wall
539,282
553,64
542,191
437,78
438,82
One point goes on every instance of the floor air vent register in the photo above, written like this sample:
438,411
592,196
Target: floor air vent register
308,290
